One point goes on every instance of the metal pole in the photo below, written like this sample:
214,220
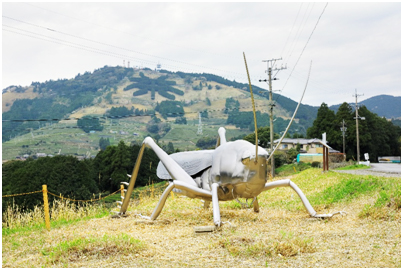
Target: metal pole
344,141
270,64
271,122
356,124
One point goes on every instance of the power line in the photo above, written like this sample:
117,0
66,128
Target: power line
289,34
309,38
299,31
117,55
94,41
119,117
120,31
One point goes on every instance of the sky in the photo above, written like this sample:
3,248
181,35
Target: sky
340,47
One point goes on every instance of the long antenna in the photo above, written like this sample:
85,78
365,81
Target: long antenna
293,116
253,106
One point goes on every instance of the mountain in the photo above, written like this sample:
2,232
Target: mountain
110,87
383,105
70,116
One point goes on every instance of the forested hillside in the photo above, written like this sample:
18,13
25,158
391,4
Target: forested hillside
75,179
40,118
378,136
79,115
383,105
58,99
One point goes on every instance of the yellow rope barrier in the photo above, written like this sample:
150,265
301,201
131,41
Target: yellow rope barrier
61,197
92,200
13,195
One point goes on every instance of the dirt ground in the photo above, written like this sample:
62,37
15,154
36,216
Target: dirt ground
249,240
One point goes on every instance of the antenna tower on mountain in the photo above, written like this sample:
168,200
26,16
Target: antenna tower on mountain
200,128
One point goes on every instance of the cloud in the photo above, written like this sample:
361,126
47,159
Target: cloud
354,45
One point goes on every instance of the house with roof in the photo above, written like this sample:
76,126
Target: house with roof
310,149
306,145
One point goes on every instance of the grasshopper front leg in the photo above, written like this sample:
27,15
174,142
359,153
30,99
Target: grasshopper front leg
182,181
179,185
173,168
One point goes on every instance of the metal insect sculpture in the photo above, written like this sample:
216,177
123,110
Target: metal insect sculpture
231,171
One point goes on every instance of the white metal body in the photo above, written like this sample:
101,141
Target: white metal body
229,172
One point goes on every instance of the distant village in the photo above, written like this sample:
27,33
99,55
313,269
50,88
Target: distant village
79,157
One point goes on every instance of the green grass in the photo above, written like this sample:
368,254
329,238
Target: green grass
354,167
290,169
71,140
326,190
349,189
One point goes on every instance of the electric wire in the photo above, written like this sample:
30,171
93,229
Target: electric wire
120,56
91,49
102,43
299,57
293,25
124,116
302,25
120,31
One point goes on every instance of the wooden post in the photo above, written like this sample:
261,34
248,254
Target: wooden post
327,159
324,159
122,192
46,206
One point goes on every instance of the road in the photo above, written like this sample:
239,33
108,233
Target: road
378,169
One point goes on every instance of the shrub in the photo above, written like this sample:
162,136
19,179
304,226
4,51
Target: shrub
316,164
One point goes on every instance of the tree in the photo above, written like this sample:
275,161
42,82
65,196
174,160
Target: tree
324,122
292,154
113,165
120,163
181,120
64,175
88,123
206,142
168,108
263,137
170,148
103,143
204,114
377,136
231,105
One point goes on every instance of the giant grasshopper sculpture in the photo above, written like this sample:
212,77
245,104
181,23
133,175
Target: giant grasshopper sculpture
233,170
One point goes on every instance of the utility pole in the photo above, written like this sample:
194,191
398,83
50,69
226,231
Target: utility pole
270,68
343,130
356,124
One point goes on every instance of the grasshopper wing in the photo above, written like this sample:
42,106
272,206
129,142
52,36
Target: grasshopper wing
192,162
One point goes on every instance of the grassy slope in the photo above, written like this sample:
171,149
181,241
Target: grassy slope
72,140
280,235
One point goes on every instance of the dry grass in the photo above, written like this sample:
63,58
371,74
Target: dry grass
64,210
281,235
9,98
